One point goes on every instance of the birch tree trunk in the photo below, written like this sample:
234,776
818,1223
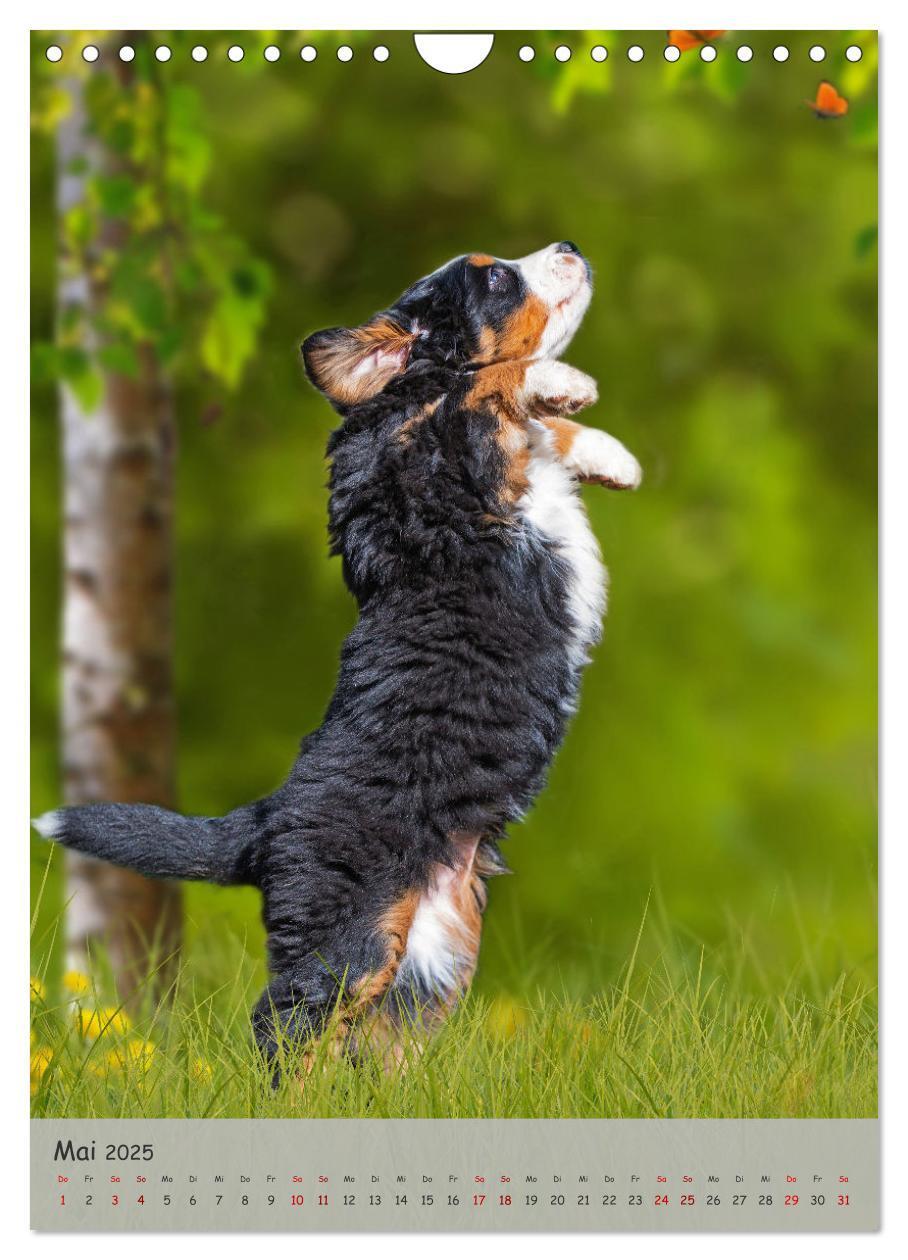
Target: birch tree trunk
117,696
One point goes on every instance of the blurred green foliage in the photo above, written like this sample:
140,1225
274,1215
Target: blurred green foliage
725,748
166,274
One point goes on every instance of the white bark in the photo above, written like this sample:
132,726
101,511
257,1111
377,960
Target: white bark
117,701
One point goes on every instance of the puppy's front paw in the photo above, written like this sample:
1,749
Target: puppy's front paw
551,388
598,457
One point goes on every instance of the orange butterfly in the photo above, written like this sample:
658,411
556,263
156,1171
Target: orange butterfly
828,103
685,40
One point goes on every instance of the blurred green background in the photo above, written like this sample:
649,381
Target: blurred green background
723,761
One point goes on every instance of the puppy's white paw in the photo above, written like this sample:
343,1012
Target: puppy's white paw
597,456
557,389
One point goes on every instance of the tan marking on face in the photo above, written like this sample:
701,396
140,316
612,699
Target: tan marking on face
487,345
480,260
523,330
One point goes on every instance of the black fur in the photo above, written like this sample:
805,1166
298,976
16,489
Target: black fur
453,689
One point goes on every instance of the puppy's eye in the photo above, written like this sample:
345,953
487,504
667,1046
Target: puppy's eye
497,276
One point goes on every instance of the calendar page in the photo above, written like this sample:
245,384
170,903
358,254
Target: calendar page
454,631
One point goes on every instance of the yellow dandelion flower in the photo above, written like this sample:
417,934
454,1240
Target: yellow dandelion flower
140,1052
505,1017
200,1070
39,1063
77,983
136,1053
106,1020
38,989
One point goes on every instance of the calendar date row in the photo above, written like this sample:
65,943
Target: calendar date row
428,1200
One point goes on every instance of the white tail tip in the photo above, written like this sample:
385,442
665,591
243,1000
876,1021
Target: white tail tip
48,825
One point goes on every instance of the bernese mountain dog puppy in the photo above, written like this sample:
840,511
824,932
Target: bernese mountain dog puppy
455,509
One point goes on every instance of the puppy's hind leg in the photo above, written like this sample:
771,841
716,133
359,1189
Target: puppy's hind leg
296,1010
325,996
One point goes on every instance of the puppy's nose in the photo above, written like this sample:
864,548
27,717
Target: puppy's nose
567,247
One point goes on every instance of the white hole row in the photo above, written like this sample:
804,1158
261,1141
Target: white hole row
671,53
91,52
235,52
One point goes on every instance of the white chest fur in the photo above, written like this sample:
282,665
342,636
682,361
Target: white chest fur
552,505
440,954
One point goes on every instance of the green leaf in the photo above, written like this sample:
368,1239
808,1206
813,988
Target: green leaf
71,361
141,293
76,369
188,152
150,304
116,195
78,227
249,281
120,136
120,357
731,74
88,389
865,240
170,342
229,336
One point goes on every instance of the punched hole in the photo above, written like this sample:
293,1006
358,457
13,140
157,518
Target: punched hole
599,53
53,52
162,52
453,54
199,53
780,52
381,53
308,53
90,53
526,53
235,53
745,53
817,53
272,53
562,53
671,53
707,53
635,53
854,53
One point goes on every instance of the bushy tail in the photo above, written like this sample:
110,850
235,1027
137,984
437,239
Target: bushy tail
159,843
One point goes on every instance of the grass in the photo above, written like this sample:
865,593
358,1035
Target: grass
683,1034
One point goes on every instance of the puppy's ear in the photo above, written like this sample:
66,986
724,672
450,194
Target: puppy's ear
351,365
